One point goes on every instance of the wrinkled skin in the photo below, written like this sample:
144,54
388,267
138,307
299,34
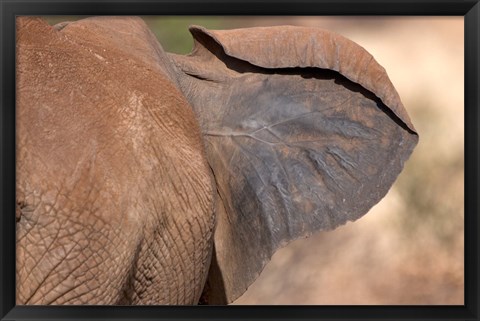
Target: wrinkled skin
87,230
148,178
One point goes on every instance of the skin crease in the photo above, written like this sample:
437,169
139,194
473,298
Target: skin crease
147,178
87,230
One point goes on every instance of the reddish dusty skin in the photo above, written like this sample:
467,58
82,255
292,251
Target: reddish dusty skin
115,198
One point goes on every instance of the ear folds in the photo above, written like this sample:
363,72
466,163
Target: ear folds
304,132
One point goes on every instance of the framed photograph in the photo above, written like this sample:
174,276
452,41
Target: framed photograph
194,160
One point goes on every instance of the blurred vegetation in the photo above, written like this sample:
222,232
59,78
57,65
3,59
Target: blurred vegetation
433,189
171,31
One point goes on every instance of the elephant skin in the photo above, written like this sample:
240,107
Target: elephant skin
145,177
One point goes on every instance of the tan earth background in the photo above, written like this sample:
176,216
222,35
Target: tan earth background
409,249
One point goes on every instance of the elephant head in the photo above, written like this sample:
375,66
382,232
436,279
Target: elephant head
148,178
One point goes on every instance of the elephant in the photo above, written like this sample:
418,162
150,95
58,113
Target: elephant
151,178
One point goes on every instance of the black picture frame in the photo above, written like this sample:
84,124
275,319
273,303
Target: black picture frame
9,9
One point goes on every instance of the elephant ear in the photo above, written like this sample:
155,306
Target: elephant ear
303,131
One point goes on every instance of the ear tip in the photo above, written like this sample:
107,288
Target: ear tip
197,28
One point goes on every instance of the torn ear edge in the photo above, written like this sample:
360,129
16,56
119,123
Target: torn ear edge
301,47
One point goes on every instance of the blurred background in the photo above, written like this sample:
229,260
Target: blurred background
409,249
